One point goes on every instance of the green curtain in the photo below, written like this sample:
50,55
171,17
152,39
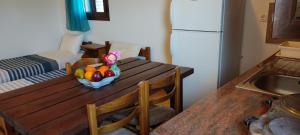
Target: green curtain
76,16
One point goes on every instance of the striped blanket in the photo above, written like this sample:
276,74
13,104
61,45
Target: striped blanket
27,81
26,66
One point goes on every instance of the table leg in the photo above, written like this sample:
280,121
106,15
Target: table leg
3,129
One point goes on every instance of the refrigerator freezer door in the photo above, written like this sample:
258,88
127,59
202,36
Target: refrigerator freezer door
202,15
199,50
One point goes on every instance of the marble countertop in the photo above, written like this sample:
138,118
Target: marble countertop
220,113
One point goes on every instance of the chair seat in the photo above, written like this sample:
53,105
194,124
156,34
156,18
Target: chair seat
158,115
121,131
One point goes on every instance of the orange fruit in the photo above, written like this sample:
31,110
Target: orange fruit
90,69
103,69
89,75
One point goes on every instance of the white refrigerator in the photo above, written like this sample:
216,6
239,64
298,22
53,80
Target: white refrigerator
197,41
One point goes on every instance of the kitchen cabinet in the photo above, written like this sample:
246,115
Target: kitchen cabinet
283,21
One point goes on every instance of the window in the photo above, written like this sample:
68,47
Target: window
97,9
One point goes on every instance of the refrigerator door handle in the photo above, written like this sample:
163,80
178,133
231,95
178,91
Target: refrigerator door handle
172,42
172,12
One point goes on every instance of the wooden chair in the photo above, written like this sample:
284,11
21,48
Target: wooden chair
80,63
129,100
3,130
151,114
148,103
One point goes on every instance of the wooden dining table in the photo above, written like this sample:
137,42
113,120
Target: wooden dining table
58,106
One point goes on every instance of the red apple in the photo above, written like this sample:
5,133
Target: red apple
109,73
97,76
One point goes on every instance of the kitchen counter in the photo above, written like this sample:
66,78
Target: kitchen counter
220,113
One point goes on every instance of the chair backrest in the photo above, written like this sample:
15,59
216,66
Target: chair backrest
80,63
145,52
123,102
146,88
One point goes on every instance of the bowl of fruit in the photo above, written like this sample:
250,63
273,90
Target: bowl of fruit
96,76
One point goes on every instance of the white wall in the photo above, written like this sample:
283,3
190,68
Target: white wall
30,26
145,22
142,22
254,48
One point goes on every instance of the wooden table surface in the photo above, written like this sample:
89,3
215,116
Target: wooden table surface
59,106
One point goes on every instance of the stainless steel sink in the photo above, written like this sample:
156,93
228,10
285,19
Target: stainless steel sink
272,84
